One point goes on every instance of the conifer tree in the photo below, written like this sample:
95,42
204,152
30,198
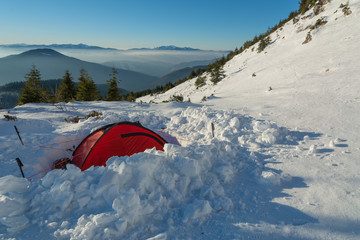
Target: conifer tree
192,74
113,93
263,43
87,89
305,5
32,91
67,89
217,72
130,97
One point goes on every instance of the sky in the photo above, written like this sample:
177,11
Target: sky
124,24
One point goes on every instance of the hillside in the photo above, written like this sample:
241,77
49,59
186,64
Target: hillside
52,65
315,89
254,163
174,76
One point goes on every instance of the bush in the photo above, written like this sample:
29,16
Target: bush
77,119
178,98
10,118
345,8
308,38
320,22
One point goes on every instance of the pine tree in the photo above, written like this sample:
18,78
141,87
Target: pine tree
113,93
217,73
192,74
32,91
263,43
130,97
305,5
87,89
200,81
67,89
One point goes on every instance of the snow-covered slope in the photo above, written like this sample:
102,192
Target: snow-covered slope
316,89
282,164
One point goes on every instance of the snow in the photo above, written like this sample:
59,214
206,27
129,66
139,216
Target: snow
282,164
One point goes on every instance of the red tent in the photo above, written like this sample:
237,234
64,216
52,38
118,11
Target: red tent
118,139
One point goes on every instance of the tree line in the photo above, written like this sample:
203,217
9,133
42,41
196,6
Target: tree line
85,90
215,69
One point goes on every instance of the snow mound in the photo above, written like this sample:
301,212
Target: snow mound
147,192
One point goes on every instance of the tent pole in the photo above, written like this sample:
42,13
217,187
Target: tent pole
20,166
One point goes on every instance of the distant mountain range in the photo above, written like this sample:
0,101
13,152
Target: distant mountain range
157,68
174,76
170,47
84,46
52,65
56,46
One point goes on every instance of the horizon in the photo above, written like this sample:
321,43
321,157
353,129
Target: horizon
54,46
206,25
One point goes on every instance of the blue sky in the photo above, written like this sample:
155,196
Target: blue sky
205,24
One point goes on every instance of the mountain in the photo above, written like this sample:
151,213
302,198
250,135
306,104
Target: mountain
154,62
151,67
52,65
56,46
157,68
168,48
174,76
191,64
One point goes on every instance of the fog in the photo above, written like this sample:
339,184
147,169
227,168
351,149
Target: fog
151,62
105,56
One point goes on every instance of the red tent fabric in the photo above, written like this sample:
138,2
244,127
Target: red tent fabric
119,139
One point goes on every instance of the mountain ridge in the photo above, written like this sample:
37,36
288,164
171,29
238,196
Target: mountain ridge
58,46
52,65
92,47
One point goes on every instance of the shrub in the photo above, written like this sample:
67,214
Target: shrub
320,22
10,118
77,118
345,8
178,98
308,38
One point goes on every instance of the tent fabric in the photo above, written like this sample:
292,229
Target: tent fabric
119,139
